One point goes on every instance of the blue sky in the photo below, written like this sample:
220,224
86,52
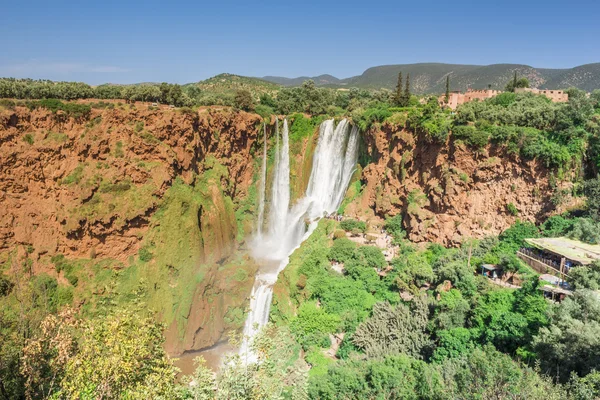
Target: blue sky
134,41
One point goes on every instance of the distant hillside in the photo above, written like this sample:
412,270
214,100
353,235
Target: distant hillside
431,77
321,80
229,83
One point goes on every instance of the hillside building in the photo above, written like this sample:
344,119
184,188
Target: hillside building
457,98
557,96
556,256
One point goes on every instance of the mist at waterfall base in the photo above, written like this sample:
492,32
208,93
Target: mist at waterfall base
334,162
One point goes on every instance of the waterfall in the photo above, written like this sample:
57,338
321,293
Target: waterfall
334,162
280,199
263,185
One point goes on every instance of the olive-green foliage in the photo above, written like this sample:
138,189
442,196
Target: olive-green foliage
532,126
570,342
145,255
514,237
556,226
585,276
430,122
395,376
587,230
243,100
264,111
44,89
586,388
394,330
28,138
413,270
364,118
343,250
312,324
470,135
393,226
477,374
486,373
451,310
516,83
307,98
591,189
72,109
349,224
121,356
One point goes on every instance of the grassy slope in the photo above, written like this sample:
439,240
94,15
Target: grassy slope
229,83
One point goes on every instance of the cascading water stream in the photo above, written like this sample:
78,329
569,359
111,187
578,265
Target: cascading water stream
263,185
334,162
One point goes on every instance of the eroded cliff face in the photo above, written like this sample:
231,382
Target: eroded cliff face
449,192
46,187
161,194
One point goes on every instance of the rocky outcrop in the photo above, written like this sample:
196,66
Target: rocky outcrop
77,186
449,192
101,188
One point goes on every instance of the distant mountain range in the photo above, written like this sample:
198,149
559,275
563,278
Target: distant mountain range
431,77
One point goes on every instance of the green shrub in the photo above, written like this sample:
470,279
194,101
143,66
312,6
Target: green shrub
351,224
342,250
7,103
393,225
264,111
145,255
339,234
471,136
74,177
28,138
119,150
371,257
511,208
139,126
365,118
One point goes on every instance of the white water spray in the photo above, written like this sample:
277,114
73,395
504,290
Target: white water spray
334,161
263,185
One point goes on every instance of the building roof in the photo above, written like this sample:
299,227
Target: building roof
552,289
550,278
573,250
490,267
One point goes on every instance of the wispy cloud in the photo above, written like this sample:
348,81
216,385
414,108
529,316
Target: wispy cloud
36,68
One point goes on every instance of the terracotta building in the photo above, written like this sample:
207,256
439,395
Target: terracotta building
457,98
557,96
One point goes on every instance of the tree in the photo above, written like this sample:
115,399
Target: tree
120,356
516,83
243,100
278,373
486,373
585,276
343,249
591,189
571,343
587,230
398,96
395,330
447,99
406,97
